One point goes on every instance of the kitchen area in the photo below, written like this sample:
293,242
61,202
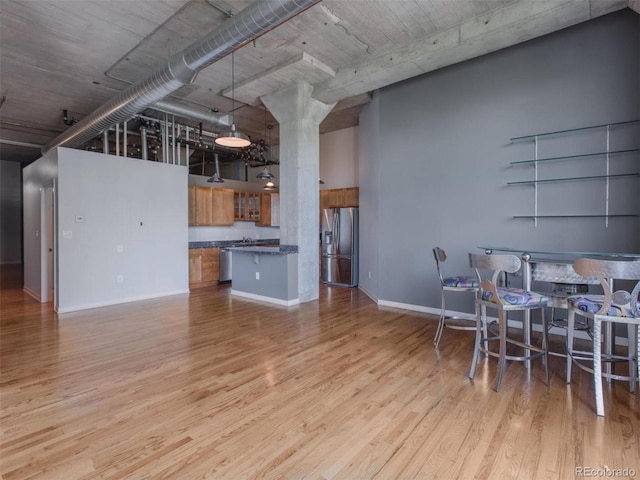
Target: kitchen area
227,224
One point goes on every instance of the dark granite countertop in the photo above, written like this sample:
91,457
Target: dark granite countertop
234,243
264,250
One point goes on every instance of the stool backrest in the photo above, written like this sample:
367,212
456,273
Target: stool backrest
608,270
440,256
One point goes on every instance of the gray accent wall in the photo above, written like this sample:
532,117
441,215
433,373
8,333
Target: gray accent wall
10,212
435,157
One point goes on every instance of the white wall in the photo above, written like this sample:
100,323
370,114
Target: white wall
339,159
138,205
34,177
10,211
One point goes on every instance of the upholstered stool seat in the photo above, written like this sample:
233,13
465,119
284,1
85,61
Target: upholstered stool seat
460,283
594,303
516,296
504,299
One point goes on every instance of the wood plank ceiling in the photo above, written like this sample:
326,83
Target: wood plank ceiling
74,56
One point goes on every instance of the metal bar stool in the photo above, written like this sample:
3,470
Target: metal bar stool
460,283
613,307
504,300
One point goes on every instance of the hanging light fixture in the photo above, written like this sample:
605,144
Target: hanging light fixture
270,186
265,174
232,138
216,176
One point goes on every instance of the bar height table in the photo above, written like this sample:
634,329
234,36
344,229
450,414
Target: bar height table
532,257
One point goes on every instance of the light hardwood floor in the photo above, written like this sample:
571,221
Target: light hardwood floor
206,386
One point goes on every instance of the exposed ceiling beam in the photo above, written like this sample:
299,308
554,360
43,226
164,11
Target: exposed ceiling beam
302,67
500,28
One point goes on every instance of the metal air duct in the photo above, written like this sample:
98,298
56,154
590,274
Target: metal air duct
174,108
182,68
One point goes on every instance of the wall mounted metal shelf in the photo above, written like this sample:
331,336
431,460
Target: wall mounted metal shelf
531,138
573,179
573,157
607,176
531,217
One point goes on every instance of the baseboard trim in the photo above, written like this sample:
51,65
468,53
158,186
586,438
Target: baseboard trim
31,293
89,306
423,309
368,293
263,298
579,334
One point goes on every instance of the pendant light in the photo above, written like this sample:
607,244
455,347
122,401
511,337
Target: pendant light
265,174
270,186
232,138
216,176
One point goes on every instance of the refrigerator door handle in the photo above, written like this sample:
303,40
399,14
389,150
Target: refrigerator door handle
337,230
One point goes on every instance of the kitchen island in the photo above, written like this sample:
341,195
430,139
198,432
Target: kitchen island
266,273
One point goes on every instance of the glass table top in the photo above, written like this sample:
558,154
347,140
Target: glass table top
559,256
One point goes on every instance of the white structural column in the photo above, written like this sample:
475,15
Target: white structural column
299,116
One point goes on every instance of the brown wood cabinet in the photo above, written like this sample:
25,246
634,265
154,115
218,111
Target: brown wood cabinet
222,206
351,197
324,199
204,267
210,206
339,197
246,206
265,210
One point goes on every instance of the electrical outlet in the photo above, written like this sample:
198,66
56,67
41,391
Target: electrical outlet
119,248
257,275
120,279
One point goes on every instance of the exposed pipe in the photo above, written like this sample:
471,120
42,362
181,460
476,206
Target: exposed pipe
173,139
124,139
105,142
143,143
182,68
187,155
165,140
117,139
19,144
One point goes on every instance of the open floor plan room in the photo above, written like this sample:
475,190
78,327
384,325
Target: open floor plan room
211,386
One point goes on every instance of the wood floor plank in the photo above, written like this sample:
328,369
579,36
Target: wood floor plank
210,386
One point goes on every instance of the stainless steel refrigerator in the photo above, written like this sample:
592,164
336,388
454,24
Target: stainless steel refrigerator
339,237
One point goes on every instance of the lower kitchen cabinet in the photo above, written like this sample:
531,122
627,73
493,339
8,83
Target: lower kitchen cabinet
204,267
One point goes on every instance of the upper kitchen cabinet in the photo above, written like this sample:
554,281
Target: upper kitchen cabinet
269,210
265,210
246,206
210,206
339,197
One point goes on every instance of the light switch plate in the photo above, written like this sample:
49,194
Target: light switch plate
67,234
